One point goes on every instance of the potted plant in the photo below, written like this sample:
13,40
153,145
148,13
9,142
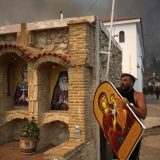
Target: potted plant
29,136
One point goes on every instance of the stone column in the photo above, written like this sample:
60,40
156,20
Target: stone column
3,89
33,91
81,50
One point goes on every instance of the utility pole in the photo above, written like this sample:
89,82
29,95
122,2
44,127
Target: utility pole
110,37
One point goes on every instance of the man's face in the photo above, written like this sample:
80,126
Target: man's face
64,80
63,83
126,83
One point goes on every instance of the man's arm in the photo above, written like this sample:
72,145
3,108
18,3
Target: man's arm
141,108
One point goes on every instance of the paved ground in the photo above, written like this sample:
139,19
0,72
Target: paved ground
11,151
150,145
151,138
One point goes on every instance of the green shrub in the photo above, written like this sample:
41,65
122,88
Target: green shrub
30,129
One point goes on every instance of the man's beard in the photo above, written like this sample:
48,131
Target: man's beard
63,87
125,88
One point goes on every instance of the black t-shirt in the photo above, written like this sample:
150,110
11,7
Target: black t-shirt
129,95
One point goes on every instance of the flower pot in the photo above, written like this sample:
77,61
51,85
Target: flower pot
27,145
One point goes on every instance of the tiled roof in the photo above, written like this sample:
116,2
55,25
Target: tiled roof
34,53
118,19
153,79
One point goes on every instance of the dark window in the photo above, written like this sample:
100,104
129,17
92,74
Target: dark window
121,36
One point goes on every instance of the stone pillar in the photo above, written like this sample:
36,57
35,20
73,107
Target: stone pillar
3,89
79,100
24,36
81,50
33,91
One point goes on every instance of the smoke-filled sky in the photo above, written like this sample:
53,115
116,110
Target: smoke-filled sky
18,11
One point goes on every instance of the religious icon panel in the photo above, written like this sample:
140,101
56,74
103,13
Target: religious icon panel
120,125
21,93
60,93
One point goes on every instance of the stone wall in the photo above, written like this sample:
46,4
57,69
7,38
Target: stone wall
115,66
8,37
50,40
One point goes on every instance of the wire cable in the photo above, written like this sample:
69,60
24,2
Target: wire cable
115,17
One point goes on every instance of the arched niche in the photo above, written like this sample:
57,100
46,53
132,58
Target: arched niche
53,134
10,73
10,131
48,73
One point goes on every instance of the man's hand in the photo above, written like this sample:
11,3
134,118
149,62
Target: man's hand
125,100
22,97
60,99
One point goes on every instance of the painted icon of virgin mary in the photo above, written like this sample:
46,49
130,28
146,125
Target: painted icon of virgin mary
21,93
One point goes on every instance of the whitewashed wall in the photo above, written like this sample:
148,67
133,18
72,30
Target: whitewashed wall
132,51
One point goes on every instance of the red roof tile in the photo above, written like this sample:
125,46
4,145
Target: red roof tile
34,53
118,19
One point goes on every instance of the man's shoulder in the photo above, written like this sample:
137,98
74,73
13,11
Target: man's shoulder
138,94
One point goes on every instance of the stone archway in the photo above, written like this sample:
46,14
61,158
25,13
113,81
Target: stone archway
43,71
12,57
53,134
11,130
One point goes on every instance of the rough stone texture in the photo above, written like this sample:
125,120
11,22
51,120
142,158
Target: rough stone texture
81,40
8,38
50,40
115,66
11,130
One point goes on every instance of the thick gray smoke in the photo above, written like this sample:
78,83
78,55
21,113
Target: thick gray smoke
150,13
18,11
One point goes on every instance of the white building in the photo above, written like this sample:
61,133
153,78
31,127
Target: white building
128,33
